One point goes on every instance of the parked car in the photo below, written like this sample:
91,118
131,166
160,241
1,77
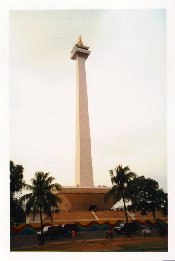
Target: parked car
119,228
146,231
51,232
68,228
133,227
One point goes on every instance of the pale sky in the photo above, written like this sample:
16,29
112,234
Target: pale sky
126,80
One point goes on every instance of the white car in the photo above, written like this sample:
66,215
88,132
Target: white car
146,232
48,231
45,230
120,227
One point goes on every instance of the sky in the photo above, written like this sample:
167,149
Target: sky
126,81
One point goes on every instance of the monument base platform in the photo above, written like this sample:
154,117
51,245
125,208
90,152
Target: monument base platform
84,198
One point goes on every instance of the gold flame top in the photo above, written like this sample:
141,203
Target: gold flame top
80,42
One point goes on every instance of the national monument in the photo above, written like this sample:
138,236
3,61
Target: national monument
84,194
79,203
84,172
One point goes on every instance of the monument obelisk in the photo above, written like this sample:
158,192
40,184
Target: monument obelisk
83,196
83,164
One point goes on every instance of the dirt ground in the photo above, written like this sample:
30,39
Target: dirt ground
92,242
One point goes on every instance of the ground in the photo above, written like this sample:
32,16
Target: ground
92,242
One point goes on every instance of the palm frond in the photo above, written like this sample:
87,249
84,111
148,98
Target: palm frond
52,199
30,204
108,195
53,187
49,180
131,175
27,186
57,186
115,193
42,196
121,177
25,197
114,180
126,169
45,176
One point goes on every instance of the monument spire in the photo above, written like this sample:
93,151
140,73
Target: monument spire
80,42
83,165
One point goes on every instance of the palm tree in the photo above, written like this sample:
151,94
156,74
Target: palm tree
41,198
120,177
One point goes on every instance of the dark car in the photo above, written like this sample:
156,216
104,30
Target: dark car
68,228
119,228
133,227
53,232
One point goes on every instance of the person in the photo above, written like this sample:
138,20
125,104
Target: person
109,233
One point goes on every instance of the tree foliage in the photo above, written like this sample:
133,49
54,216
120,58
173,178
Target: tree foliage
41,199
17,214
120,177
147,196
16,177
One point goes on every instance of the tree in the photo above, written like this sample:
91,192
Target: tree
120,177
16,177
41,199
147,196
17,214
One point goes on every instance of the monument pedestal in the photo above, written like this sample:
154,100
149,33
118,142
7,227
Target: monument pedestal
79,198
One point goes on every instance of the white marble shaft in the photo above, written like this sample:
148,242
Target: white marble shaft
83,165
